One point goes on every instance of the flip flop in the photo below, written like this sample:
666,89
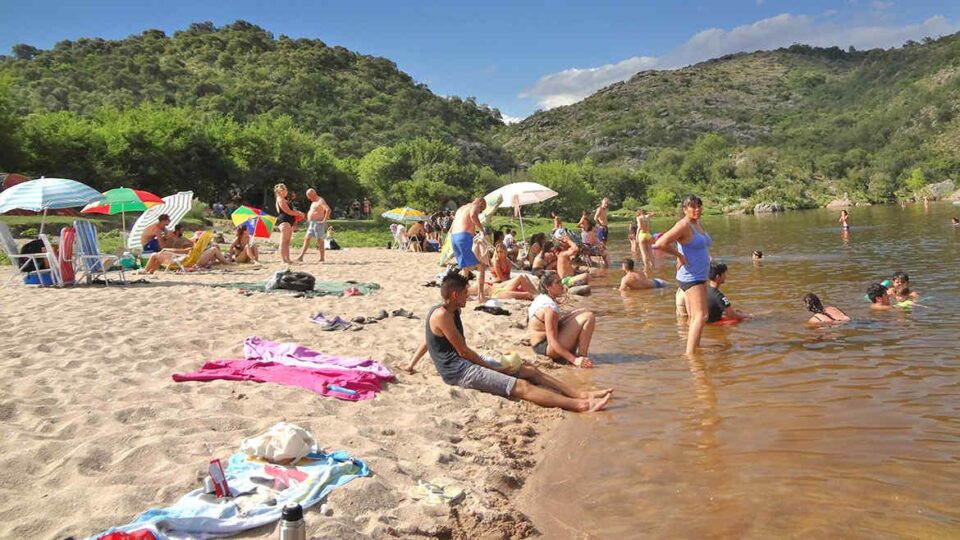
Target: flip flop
437,491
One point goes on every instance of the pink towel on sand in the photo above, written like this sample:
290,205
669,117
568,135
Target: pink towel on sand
295,365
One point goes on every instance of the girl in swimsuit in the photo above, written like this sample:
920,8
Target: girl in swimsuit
560,337
690,244
644,241
844,217
286,220
241,249
821,314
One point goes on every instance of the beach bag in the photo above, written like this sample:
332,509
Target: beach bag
291,281
283,443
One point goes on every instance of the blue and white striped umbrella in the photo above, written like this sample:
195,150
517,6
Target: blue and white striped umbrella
47,194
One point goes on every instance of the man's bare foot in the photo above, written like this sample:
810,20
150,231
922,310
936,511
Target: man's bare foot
597,404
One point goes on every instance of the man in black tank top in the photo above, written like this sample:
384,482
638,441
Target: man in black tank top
459,365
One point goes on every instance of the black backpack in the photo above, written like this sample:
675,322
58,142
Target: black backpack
292,281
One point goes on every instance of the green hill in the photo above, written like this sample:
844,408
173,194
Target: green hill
810,121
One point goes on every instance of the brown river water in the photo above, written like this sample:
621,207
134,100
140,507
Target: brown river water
777,429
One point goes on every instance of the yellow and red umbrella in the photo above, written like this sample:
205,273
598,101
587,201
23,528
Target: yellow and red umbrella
259,224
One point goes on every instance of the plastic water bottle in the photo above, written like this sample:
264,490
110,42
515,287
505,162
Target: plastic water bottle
292,526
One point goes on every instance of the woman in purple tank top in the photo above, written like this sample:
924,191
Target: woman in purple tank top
690,244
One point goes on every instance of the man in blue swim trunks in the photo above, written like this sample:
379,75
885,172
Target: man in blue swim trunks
153,238
465,224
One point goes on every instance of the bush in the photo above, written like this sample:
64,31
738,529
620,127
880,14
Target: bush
29,233
664,200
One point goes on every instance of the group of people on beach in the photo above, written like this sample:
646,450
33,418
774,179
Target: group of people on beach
566,337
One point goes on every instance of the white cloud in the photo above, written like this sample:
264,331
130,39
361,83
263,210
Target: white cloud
507,119
572,85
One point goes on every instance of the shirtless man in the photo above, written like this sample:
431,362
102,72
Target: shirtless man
634,281
316,224
557,223
568,274
600,216
645,240
879,297
153,238
460,365
466,222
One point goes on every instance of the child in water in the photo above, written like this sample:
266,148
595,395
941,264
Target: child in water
844,217
901,288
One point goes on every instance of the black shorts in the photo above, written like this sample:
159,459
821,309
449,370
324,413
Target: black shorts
684,285
541,348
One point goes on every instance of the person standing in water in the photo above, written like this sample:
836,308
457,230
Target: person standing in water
689,242
600,216
644,241
844,218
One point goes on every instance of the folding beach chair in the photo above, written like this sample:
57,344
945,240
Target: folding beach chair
53,263
92,263
20,261
192,258
400,240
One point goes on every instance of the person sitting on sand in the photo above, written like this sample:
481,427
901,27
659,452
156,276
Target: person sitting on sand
634,281
153,238
560,337
459,365
878,296
242,249
547,258
501,260
417,236
822,314
317,216
901,288
592,244
176,240
565,257
534,247
557,223
718,307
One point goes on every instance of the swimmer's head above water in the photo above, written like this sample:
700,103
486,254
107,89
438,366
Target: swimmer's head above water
757,254
877,294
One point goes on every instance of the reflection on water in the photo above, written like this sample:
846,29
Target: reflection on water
777,429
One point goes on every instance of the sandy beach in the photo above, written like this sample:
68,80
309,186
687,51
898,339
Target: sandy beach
95,431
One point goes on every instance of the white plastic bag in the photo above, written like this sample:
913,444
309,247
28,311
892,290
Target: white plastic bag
283,444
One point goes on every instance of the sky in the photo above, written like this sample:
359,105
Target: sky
518,56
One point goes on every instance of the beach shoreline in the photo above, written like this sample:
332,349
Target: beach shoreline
94,426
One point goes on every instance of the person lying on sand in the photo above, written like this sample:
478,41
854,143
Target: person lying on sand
632,280
561,337
823,314
459,365
516,288
164,257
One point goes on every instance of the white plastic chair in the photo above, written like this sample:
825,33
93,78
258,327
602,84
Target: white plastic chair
53,263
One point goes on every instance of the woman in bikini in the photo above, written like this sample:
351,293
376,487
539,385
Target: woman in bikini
644,241
241,249
821,314
560,337
286,221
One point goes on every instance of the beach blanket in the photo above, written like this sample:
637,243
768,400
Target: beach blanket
290,364
293,354
321,288
259,491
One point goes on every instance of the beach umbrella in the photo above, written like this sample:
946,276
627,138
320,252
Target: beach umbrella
45,194
520,194
404,214
259,224
176,206
122,200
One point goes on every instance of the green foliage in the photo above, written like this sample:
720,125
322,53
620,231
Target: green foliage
665,200
917,180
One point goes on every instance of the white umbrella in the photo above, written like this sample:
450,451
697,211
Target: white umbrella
176,206
519,194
